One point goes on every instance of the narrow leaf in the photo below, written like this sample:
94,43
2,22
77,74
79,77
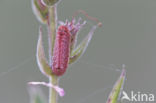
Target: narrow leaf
76,53
40,10
50,2
41,60
117,89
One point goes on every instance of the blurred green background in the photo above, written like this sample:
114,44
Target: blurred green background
128,36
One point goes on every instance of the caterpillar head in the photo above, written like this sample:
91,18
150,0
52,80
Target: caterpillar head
63,30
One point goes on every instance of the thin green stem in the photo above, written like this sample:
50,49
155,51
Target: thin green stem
52,26
52,92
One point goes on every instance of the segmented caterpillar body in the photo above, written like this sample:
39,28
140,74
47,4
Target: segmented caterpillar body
61,51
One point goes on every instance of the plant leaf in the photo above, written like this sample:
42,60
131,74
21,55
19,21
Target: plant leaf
117,89
80,49
41,60
40,10
50,2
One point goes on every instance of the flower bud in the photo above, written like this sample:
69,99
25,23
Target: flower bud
50,2
40,10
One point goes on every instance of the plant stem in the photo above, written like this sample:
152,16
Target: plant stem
52,25
52,92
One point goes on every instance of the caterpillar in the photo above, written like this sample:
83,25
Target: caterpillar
61,51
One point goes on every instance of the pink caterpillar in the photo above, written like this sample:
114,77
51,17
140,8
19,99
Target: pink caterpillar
61,51
63,41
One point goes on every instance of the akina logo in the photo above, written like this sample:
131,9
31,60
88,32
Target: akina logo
138,97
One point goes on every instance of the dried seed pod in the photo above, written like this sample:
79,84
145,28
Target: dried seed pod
61,51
